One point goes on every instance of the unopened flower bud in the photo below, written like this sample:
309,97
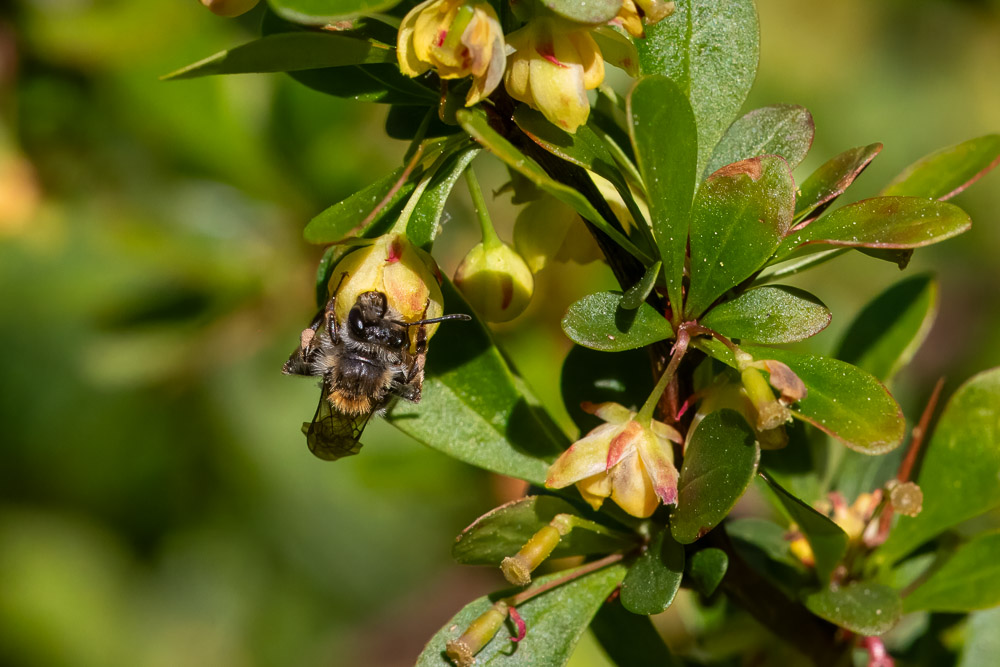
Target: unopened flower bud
770,413
906,497
496,281
462,651
229,8
517,569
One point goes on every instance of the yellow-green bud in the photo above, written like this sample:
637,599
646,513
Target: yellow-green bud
229,8
517,569
496,281
462,651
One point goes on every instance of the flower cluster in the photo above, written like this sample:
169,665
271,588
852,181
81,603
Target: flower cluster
549,63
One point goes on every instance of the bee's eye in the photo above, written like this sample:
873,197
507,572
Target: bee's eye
355,322
399,339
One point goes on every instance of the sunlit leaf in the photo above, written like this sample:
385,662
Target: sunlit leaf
503,531
889,331
865,608
636,294
739,217
781,129
827,540
709,49
720,459
665,140
554,620
968,579
289,52
598,321
323,12
336,222
424,223
883,222
592,12
770,314
706,568
945,173
830,181
474,122
629,639
958,474
653,580
474,408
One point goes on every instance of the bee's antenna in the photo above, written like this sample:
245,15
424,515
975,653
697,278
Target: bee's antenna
456,316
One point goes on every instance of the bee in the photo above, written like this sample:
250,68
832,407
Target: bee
365,363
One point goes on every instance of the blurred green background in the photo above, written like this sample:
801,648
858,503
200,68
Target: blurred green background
158,505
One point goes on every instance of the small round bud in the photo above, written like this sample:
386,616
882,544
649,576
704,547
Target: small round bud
906,498
229,8
496,281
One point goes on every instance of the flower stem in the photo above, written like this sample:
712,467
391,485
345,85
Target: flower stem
535,591
490,238
680,348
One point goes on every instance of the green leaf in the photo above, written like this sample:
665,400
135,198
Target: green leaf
503,531
424,223
475,123
883,222
599,321
830,181
889,331
982,641
958,475
709,48
652,581
403,122
707,568
289,52
630,640
331,257
865,608
739,217
592,12
827,540
844,401
474,408
663,134
765,546
338,221
555,621
945,173
367,83
968,579
770,314
322,12
637,294
720,460
599,377
781,129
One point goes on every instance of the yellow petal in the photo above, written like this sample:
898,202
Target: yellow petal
632,489
556,81
518,66
585,457
589,56
409,62
595,489
658,459
610,412
430,27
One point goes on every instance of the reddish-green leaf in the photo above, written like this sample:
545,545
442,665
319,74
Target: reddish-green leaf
945,173
830,181
770,314
662,128
883,222
958,475
868,609
720,459
781,129
889,331
739,217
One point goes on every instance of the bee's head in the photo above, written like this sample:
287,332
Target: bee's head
367,322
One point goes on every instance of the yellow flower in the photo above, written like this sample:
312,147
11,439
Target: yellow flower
397,268
552,67
628,461
456,38
548,230
631,15
495,280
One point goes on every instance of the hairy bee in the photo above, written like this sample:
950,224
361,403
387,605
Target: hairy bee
365,362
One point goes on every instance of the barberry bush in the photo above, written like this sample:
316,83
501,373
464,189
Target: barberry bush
684,385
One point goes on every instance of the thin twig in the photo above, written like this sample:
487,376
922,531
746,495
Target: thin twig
529,593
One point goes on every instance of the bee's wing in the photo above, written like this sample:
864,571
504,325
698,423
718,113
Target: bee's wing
333,435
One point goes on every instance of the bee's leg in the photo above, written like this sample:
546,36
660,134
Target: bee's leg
415,377
330,313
